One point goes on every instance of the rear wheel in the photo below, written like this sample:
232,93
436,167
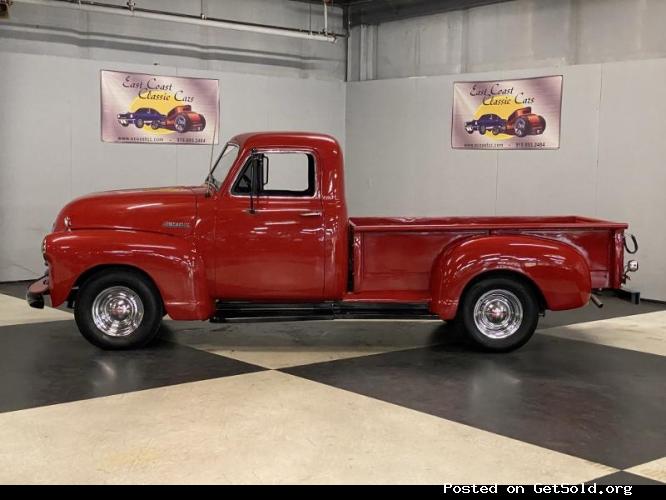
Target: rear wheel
181,124
499,314
521,127
118,309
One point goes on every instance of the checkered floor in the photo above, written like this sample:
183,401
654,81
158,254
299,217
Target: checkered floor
334,402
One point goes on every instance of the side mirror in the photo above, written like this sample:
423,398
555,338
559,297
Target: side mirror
266,162
254,173
254,179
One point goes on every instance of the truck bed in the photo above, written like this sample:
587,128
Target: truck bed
395,254
360,224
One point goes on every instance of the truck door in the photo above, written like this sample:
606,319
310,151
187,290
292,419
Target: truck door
270,230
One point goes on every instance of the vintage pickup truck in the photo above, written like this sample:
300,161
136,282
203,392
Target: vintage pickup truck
267,236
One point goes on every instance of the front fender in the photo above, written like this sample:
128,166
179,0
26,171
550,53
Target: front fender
558,270
172,263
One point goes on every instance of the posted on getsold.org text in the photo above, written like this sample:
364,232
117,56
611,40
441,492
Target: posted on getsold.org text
539,489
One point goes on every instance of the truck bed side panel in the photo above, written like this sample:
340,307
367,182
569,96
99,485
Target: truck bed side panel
397,255
399,260
596,245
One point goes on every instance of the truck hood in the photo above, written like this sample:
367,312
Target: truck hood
169,210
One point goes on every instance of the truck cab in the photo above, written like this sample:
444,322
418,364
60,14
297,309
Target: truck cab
285,194
267,235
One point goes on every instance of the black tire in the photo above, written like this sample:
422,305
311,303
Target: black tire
496,130
503,289
482,130
521,127
155,125
203,124
118,279
138,123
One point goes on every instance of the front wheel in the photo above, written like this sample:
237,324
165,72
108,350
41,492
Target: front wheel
499,314
118,309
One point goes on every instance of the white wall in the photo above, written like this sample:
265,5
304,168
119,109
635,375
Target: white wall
50,147
70,33
610,164
397,130
511,35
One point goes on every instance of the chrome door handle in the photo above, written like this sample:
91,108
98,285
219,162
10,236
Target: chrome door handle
310,214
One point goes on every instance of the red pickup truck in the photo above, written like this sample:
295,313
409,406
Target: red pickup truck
267,236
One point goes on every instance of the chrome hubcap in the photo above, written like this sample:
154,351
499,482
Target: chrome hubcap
498,314
117,311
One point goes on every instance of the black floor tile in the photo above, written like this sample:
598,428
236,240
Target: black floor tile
613,308
625,478
49,363
600,403
18,289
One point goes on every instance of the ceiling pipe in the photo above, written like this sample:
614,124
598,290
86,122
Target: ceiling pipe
131,10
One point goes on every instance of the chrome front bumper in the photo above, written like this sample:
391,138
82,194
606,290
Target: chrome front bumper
35,293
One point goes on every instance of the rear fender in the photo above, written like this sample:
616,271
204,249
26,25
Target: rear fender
172,263
556,269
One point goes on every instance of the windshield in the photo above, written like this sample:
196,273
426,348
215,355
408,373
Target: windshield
223,164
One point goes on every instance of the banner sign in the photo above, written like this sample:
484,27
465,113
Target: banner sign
510,114
156,109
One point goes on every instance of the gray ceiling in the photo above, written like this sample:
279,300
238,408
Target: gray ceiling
379,11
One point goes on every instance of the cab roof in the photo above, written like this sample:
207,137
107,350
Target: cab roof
285,138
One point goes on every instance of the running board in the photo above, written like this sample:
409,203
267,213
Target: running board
246,311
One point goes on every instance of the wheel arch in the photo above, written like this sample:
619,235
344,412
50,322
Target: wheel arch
104,268
557,272
511,275
177,270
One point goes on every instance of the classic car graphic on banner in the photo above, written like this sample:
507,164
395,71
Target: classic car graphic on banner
155,109
510,114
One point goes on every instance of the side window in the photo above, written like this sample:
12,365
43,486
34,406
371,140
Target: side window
279,174
244,180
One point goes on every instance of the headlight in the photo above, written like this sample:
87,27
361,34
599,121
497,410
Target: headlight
632,266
